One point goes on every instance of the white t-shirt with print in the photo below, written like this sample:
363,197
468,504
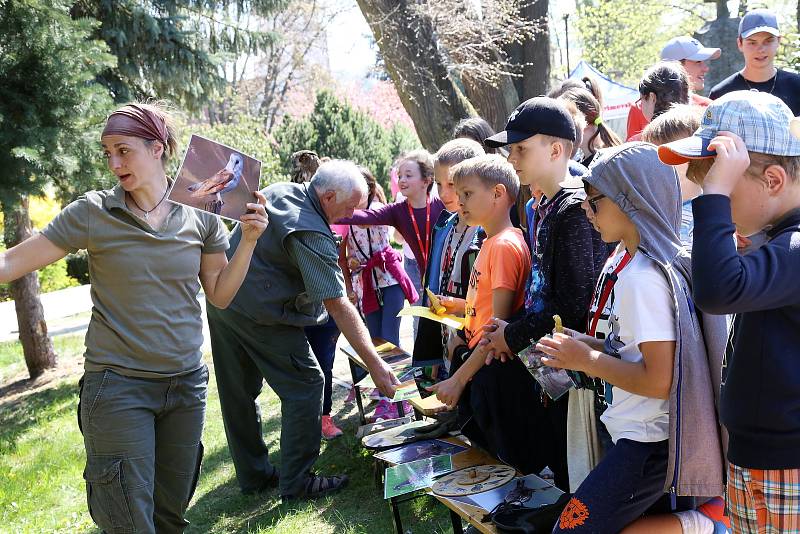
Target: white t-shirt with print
639,309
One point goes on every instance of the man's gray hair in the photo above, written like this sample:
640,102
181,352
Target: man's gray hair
341,176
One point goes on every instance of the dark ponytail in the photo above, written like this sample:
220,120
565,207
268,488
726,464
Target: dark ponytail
669,82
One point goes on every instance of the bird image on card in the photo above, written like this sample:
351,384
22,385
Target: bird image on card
224,181
216,178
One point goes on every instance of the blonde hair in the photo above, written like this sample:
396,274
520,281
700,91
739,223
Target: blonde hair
491,170
759,163
569,146
678,122
698,168
458,150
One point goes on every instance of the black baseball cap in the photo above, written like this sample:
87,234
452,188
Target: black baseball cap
538,115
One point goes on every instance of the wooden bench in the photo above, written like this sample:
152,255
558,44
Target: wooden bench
459,511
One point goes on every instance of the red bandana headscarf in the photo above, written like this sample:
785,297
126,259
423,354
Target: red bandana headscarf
136,121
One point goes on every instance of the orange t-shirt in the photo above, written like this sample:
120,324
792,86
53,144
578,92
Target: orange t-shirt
504,262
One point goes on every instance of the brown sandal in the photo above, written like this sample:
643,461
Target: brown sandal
318,485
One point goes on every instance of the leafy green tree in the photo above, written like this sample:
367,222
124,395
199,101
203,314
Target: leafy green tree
337,130
624,37
50,112
175,48
789,52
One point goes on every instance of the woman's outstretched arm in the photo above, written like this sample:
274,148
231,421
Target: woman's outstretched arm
30,255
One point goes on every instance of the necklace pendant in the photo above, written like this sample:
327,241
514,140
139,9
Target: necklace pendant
146,215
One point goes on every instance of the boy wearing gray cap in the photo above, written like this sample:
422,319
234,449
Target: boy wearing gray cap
759,38
752,184
693,56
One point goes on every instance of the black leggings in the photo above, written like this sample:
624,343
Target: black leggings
502,411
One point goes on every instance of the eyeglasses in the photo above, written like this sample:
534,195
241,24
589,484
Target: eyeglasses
593,202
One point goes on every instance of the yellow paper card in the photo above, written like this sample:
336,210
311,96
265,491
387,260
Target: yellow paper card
453,321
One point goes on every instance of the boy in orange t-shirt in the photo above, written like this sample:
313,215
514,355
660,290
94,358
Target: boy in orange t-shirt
498,407
487,187
496,284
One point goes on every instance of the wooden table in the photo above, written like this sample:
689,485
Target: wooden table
394,356
458,510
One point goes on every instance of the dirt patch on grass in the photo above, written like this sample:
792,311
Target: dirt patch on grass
18,387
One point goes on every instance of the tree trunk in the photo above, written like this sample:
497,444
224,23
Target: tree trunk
493,103
721,33
408,45
533,54
536,52
36,345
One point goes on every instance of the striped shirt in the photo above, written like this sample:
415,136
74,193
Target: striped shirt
317,258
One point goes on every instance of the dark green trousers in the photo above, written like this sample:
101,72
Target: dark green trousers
143,449
245,354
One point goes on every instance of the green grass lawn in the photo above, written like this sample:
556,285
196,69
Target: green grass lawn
42,458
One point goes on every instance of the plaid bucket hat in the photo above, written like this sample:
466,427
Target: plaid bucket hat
763,121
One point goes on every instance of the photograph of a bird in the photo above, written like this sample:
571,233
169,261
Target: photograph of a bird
223,181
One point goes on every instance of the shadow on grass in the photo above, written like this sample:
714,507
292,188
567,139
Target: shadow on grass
358,508
35,408
225,509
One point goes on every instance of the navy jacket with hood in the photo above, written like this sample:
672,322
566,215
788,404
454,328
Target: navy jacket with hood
761,395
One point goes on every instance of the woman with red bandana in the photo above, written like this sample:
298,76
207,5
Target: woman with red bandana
143,393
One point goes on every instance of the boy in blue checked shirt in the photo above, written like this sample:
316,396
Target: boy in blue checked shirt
750,162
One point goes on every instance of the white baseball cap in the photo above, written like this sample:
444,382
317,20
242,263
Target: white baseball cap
685,47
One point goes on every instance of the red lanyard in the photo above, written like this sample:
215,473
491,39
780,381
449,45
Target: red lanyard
605,293
423,250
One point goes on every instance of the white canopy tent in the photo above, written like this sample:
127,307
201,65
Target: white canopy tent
617,98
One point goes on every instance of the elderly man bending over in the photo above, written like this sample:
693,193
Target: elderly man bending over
293,273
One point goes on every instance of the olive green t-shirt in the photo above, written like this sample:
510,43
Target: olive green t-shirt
144,283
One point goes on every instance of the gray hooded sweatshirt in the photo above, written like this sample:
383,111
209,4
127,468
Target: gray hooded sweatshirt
648,192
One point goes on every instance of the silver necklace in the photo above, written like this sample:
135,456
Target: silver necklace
148,212
774,79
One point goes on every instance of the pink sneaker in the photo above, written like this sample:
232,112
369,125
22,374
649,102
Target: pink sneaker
388,410
382,411
329,428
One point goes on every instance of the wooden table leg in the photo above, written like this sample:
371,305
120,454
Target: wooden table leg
380,469
455,519
398,525
357,390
